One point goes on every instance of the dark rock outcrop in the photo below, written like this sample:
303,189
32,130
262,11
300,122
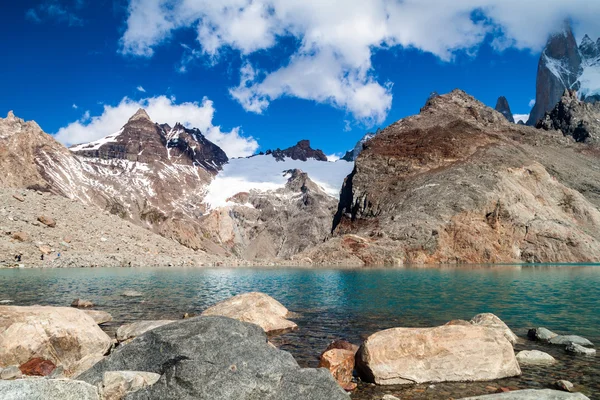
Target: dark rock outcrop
503,108
300,151
351,155
558,69
574,118
216,358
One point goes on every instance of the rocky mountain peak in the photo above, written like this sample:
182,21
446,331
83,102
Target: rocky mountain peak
11,115
300,151
588,48
503,108
140,114
559,68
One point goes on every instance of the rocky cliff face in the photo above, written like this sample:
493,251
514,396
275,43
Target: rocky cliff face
459,183
574,118
503,108
565,66
274,224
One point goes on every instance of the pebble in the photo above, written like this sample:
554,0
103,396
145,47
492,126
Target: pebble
564,385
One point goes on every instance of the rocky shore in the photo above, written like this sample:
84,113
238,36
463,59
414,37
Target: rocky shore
227,352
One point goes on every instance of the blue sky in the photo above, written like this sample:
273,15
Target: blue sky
66,60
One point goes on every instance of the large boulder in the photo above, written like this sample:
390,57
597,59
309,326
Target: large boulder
128,332
445,353
531,394
215,358
256,308
47,389
492,321
62,335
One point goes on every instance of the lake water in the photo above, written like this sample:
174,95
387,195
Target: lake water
352,304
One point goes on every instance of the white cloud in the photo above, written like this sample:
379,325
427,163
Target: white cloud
521,117
56,11
161,109
337,39
75,106
333,157
531,103
141,89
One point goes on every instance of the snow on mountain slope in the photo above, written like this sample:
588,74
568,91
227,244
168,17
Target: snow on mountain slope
264,173
98,143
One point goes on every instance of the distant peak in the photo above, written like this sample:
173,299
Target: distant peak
140,114
11,115
586,39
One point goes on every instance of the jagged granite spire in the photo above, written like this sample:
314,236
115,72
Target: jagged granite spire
558,69
503,108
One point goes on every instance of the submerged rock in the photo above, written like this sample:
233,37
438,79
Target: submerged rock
256,308
568,339
491,321
565,385
542,334
79,303
63,335
130,331
47,389
531,394
216,358
131,293
575,348
534,357
446,353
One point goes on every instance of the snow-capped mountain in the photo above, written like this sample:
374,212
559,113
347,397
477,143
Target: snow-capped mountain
565,65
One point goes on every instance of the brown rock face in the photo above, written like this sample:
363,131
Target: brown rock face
460,184
79,303
37,367
340,363
443,354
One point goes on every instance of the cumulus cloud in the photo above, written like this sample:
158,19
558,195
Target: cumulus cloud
75,106
56,11
161,109
336,39
141,89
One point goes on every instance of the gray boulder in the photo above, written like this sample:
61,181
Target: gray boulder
216,358
542,334
47,389
531,394
568,339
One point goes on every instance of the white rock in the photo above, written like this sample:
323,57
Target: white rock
257,308
534,357
446,353
101,317
116,384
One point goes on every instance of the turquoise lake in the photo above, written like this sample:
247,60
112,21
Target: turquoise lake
338,303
